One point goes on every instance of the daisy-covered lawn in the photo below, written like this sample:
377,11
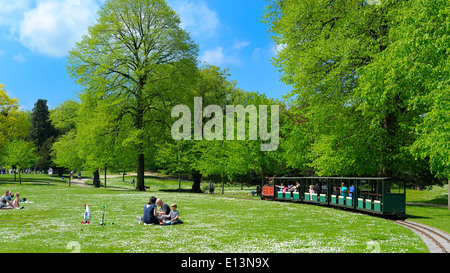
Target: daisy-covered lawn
213,224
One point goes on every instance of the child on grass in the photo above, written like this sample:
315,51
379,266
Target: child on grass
174,216
15,203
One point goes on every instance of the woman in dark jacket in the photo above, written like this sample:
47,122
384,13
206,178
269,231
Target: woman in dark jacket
150,212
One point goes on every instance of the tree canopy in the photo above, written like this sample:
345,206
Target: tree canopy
135,58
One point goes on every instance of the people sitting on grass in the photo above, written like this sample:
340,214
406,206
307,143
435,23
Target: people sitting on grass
164,209
174,216
6,203
150,213
16,201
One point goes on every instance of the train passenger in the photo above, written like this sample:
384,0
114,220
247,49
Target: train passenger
336,191
282,188
311,189
317,188
344,190
295,188
351,190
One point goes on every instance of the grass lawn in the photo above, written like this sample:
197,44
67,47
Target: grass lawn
438,217
213,223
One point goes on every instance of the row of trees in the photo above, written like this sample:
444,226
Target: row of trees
372,80
26,137
370,94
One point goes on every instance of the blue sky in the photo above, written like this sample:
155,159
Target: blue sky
36,35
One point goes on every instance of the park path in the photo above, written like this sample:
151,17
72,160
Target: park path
81,183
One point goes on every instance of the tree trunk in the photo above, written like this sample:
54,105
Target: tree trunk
97,179
140,185
389,125
197,180
223,185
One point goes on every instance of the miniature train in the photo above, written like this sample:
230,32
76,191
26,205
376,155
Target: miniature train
381,196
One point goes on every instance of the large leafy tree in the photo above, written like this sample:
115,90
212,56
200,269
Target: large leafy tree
322,44
13,121
413,72
135,56
359,73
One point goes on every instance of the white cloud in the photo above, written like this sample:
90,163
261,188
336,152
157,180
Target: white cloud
19,57
196,17
219,56
53,26
241,44
214,56
11,11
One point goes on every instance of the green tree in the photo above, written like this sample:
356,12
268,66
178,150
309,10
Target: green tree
13,121
409,85
19,154
96,132
412,73
42,132
64,116
136,54
224,158
65,153
357,80
322,44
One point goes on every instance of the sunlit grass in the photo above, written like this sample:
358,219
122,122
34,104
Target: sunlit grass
213,223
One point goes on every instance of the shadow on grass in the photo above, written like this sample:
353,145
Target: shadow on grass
409,216
178,190
37,183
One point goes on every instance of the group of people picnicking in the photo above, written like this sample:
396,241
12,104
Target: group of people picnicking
165,215
318,189
7,201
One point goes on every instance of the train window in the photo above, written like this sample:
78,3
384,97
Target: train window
394,187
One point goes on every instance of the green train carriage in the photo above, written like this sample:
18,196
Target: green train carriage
381,196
